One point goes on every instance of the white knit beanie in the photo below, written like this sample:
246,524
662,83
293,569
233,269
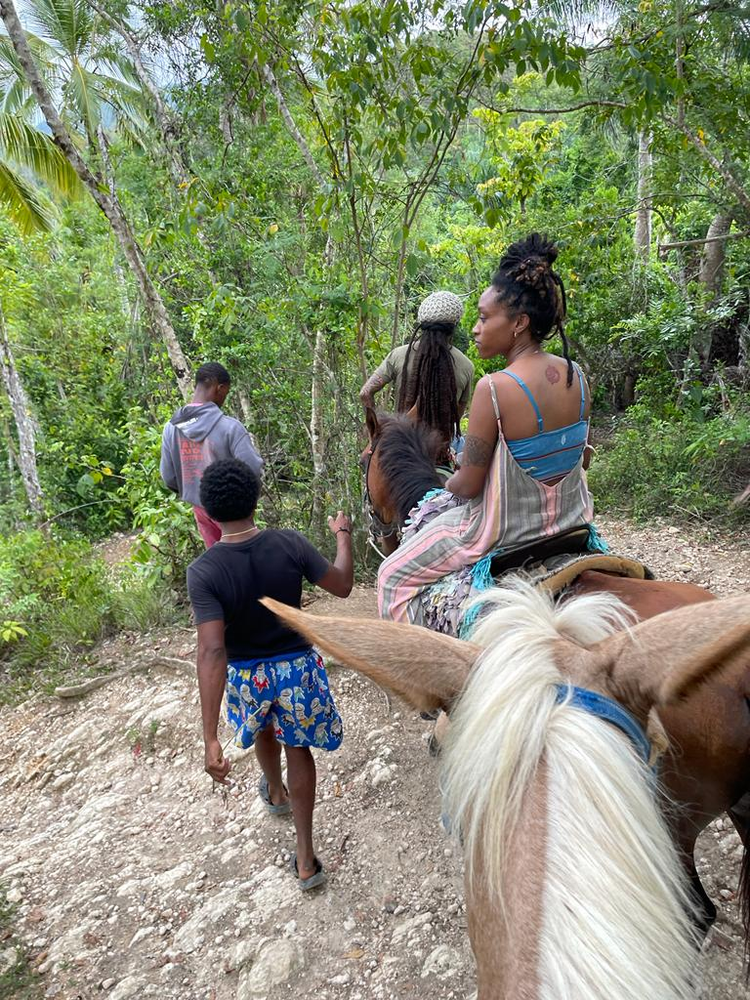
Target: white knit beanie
441,307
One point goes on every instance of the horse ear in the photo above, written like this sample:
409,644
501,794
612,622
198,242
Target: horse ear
372,423
665,658
427,669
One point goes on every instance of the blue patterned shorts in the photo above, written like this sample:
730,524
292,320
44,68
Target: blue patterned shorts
288,692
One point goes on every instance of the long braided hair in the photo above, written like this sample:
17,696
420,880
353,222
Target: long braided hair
526,283
429,382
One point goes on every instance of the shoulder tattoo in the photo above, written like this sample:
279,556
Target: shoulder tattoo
476,451
553,375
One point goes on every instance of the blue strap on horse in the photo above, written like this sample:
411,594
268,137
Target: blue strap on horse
604,708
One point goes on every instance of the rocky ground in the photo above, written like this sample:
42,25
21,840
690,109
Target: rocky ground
131,877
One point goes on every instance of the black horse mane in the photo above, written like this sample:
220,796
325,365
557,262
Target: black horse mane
406,453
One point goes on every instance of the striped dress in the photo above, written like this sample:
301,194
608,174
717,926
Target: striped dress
513,510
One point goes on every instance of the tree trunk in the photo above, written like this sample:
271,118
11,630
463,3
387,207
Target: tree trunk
19,404
108,203
317,423
714,254
642,236
710,276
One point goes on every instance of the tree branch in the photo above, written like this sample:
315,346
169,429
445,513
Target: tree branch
721,169
709,239
554,111
268,76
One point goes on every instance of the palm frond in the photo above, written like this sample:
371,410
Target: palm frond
48,61
68,22
116,64
82,94
27,206
26,146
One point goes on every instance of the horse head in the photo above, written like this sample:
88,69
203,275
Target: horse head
398,464
574,887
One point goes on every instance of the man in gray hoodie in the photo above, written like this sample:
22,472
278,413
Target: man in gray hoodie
199,434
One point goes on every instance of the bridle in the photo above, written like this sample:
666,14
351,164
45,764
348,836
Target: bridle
378,527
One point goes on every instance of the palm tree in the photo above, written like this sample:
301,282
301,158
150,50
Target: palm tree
83,85
28,160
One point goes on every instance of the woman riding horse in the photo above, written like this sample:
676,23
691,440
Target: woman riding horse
522,472
433,382
433,378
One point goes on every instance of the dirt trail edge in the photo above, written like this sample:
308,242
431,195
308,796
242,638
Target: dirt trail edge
132,878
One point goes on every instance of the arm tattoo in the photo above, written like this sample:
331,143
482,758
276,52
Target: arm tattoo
476,452
374,384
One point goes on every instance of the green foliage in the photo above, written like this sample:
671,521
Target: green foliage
20,981
168,539
58,597
680,468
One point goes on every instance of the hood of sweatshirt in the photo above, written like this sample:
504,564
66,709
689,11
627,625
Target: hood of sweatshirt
196,422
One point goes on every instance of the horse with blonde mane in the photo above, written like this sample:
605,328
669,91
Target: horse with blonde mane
707,771
574,887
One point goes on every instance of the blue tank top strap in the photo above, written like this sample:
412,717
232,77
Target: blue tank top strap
520,381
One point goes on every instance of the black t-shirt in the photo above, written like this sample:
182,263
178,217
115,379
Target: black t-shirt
227,580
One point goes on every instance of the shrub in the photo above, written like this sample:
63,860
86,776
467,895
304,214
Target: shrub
682,468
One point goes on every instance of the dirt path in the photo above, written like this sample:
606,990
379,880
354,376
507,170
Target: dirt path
132,879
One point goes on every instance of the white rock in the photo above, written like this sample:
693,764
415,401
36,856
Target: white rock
242,954
64,781
128,987
381,774
85,735
340,980
191,935
140,934
8,958
275,963
14,895
169,878
408,927
443,962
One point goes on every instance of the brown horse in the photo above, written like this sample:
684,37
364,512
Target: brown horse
573,884
707,771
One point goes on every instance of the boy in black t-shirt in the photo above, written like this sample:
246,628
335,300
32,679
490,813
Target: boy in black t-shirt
276,685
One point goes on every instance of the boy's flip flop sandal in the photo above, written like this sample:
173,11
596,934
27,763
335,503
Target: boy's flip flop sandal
319,878
265,796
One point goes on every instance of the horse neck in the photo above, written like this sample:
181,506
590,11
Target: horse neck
525,775
407,480
507,945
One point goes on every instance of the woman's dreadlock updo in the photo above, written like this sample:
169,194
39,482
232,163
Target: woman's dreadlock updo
526,283
429,380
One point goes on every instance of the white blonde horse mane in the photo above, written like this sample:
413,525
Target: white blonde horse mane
615,920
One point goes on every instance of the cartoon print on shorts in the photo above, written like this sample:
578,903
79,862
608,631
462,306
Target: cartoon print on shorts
260,680
303,720
283,670
297,704
284,698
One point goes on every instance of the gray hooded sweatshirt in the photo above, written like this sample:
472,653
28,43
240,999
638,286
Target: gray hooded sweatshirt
197,435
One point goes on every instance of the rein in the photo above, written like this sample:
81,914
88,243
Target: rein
605,708
378,525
